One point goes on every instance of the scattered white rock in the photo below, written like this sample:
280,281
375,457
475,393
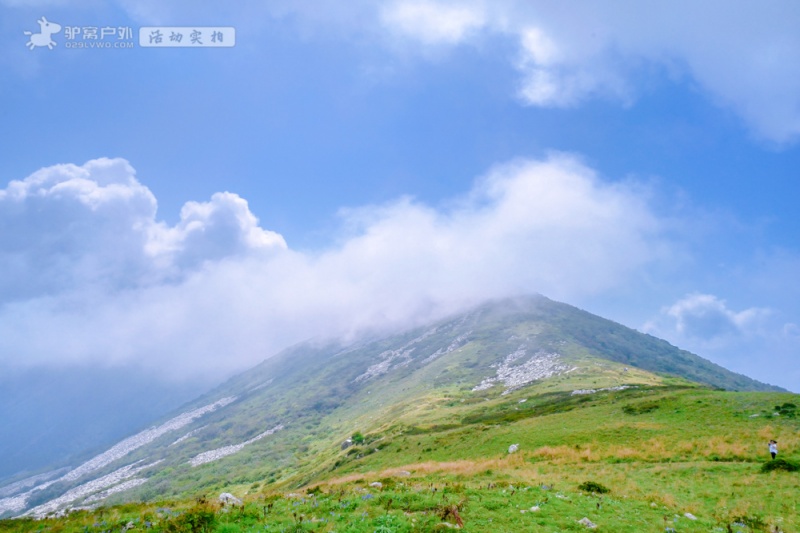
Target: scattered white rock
513,448
19,501
534,508
140,439
458,342
376,484
190,434
388,357
229,499
540,366
27,483
690,516
88,488
588,523
592,391
219,453
14,504
261,385
402,354
122,487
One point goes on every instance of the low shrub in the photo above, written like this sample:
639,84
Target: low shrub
754,522
593,486
390,523
787,409
199,519
780,464
640,408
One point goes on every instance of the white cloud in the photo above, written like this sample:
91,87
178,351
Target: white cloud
211,230
744,56
564,73
432,22
706,317
791,330
216,293
70,226
756,341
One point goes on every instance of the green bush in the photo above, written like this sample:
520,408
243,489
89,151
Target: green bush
640,408
593,486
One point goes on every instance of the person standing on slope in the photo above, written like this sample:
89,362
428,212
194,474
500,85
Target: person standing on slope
773,448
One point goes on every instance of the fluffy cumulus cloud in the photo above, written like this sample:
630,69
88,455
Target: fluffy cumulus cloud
741,315
69,226
706,317
95,276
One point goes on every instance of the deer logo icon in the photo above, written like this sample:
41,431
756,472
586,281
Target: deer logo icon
43,37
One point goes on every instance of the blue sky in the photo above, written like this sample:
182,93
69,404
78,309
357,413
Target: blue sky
377,164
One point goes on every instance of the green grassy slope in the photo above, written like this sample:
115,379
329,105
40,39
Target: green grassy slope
662,451
424,400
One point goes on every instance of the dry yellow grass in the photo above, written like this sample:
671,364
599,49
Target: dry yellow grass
662,499
767,432
722,446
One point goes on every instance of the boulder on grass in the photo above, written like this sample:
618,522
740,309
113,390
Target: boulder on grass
226,498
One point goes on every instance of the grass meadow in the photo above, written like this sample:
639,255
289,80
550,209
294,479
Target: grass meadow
664,458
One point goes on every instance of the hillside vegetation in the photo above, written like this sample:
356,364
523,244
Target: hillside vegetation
413,433
660,452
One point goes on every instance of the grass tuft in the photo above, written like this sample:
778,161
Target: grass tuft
780,464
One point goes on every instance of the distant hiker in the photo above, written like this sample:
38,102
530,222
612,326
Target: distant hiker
773,448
